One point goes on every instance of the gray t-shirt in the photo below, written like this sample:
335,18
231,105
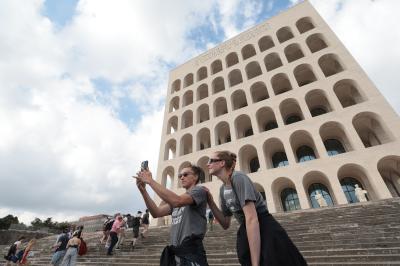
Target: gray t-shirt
245,191
190,220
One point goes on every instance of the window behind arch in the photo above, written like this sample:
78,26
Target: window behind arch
317,111
248,132
334,147
270,125
254,165
305,153
292,119
348,185
290,200
279,159
323,190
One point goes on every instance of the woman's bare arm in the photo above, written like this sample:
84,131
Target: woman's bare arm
253,231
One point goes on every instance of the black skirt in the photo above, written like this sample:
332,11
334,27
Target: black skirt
276,247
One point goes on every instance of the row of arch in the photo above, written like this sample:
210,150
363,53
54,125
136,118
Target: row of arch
318,103
315,42
368,126
303,73
285,192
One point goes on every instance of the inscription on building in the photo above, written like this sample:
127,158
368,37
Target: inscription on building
228,45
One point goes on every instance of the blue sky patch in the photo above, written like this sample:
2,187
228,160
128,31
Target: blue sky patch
59,12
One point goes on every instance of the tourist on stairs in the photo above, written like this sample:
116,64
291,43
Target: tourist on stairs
72,250
189,223
118,223
260,239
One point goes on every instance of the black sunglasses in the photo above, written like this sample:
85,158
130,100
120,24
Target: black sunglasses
210,161
184,174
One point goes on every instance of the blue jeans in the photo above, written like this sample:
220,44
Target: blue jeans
58,257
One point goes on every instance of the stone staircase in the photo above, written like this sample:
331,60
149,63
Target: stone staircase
358,234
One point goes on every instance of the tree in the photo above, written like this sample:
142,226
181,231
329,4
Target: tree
6,221
37,222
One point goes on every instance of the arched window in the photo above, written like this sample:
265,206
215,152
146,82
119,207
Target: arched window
170,150
304,24
187,98
317,102
293,52
266,119
203,139
202,92
316,42
186,144
201,73
222,133
238,99
176,86
334,147
259,92
348,185
187,119
243,126
253,69
235,77
330,65
305,153
304,74
290,200
371,130
348,92
216,66
174,104
279,159
172,125
248,51
265,43
248,159
272,61
188,80
389,169
218,85
284,34
203,113
323,190
280,83
231,59
220,107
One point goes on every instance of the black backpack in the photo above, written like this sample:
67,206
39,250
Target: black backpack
136,222
11,252
109,225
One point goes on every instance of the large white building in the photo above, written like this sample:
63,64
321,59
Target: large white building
288,98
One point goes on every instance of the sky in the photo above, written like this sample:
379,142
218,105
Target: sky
83,86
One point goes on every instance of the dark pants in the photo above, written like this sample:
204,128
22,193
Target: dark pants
114,240
276,247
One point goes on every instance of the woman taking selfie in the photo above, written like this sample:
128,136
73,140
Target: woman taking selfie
260,239
188,211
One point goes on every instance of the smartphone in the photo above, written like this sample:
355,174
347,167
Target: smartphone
144,165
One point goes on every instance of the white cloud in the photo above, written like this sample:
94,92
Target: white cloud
63,153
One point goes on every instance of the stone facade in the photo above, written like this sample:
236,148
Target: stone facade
92,223
289,99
